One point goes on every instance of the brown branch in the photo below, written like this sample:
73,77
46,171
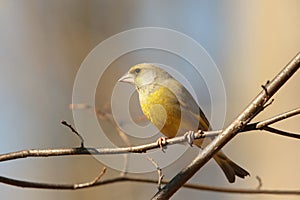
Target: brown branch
95,151
147,147
28,184
253,109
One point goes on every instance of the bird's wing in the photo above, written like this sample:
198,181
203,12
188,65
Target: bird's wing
192,116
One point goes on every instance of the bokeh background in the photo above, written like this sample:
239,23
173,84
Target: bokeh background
43,44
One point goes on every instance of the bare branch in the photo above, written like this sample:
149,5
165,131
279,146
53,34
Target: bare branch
95,151
253,109
145,148
91,183
27,184
278,118
280,132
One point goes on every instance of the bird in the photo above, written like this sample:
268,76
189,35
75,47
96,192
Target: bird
170,107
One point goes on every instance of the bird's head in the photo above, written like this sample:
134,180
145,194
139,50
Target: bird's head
144,74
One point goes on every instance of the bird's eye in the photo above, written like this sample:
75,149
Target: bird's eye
137,70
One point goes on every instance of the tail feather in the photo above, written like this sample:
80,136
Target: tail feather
230,168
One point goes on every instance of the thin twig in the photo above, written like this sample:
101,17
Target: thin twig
280,132
278,118
91,183
74,131
159,172
267,104
104,114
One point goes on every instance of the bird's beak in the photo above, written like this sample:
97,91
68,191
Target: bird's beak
127,78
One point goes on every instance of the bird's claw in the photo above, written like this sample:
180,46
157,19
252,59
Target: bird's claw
162,141
189,137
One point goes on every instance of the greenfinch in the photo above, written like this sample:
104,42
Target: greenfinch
171,108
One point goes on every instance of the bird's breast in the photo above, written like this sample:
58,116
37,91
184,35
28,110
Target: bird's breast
162,108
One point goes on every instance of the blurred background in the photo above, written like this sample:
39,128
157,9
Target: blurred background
43,44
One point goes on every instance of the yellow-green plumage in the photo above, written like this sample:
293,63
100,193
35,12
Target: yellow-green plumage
172,109
161,109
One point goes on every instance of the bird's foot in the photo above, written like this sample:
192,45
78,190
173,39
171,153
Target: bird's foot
162,141
189,137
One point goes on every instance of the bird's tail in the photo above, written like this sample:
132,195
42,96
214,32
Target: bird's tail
229,168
